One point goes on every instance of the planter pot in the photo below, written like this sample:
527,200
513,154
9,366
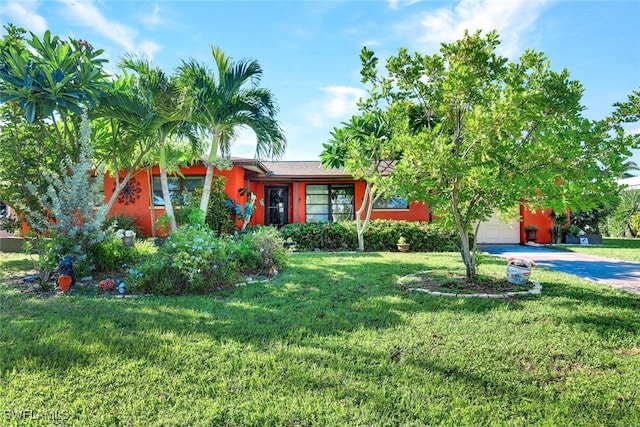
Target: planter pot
127,241
572,240
64,281
594,239
532,235
518,271
403,247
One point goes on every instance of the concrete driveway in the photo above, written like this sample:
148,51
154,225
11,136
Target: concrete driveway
616,273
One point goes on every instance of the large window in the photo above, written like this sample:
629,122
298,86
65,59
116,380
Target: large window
179,189
329,203
391,203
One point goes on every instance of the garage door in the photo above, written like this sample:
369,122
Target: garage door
498,232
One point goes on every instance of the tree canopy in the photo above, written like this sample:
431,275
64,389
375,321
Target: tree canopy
491,134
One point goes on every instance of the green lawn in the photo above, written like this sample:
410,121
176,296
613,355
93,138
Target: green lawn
624,249
330,341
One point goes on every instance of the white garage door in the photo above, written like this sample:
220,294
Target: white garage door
496,231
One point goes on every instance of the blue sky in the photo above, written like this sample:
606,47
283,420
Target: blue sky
309,50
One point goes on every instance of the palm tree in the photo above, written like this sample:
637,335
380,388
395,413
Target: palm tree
221,104
163,116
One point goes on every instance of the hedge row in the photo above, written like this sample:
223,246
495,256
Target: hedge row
381,235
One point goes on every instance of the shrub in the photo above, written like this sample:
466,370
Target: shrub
634,223
381,235
219,216
192,261
325,236
122,221
260,249
112,255
66,211
619,222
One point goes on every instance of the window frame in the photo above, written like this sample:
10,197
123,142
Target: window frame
329,203
177,201
390,199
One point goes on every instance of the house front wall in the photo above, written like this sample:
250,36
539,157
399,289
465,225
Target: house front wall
297,201
136,200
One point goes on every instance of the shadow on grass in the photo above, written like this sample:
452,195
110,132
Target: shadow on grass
316,297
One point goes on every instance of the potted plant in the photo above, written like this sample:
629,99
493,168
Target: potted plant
403,246
127,236
531,231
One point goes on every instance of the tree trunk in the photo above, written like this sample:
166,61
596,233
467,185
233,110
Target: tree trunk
206,190
208,179
168,205
468,256
361,225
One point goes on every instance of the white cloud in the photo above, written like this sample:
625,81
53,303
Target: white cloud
513,19
153,19
86,14
22,15
372,42
149,48
343,100
394,4
338,103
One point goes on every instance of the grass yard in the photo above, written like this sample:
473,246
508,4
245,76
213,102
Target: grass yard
331,341
624,249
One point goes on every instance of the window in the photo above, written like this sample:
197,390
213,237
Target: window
391,203
179,189
329,203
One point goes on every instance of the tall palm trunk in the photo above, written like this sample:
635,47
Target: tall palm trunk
164,184
208,178
168,205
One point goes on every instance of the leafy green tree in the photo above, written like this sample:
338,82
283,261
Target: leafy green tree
363,146
222,103
51,80
493,134
44,85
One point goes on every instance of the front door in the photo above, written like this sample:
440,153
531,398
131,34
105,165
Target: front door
277,202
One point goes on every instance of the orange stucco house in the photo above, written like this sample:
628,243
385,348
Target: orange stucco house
294,192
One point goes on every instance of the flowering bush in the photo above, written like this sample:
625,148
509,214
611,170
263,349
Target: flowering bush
195,260
107,284
261,250
192,260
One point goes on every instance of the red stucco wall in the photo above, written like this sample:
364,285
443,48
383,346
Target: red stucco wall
140,207
539,218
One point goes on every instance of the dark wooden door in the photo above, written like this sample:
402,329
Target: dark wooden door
277,206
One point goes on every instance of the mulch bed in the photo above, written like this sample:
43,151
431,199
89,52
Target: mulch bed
454,282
